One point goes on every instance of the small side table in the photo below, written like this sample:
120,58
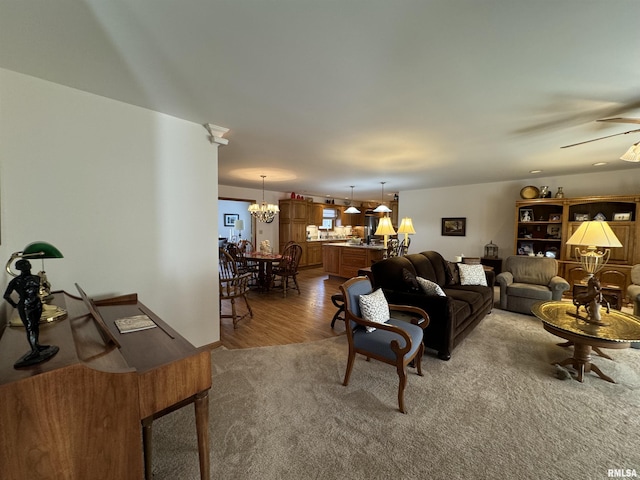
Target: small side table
611,293
495,263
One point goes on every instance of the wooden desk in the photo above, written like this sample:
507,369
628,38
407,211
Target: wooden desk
80,414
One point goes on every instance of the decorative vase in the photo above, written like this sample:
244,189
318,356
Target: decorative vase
544,190
559,193
293,194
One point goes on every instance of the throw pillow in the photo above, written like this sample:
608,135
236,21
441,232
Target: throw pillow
374,308
472,274
431,288
410,280
453,277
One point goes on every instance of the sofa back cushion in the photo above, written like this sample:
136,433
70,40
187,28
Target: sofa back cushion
422,266
533,270
388,274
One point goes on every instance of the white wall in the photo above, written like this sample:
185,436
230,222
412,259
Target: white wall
490,209
120,190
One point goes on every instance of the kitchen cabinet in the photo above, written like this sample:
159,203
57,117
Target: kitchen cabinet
293,218
342,260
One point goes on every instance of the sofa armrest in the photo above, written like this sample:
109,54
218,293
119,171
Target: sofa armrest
633,291
558,285
504,279
491,277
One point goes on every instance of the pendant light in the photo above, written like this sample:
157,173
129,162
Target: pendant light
263,212
351,208
382,208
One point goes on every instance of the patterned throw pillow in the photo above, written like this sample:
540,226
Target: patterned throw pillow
472,274
374,307
430,288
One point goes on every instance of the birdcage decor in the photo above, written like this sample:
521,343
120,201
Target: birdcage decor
491,250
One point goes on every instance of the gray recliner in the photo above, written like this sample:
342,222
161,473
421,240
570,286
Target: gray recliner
527,280
633,290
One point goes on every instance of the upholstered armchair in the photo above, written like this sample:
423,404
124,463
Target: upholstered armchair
389,333
633,290
526,280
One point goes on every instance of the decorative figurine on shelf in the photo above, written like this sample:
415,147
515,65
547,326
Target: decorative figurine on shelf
29,306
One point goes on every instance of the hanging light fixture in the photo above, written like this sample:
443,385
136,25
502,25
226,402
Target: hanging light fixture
382,208
351,208
263,212
633,154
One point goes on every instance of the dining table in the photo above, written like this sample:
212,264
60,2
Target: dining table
265,263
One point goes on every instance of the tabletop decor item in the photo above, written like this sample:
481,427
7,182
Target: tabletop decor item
529,192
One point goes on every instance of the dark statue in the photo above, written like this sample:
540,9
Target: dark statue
29,306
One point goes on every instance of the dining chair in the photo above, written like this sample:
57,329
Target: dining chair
389,333
287,268
233,285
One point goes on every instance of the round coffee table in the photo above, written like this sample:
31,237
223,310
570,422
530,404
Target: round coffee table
559,319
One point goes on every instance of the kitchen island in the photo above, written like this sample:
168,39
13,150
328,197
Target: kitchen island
344,259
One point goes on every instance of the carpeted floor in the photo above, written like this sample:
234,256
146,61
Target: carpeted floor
494,411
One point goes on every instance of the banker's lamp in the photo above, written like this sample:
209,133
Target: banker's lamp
594,234
406,227
385,228
36,250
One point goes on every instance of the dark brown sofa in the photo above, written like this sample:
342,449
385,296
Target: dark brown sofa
452,316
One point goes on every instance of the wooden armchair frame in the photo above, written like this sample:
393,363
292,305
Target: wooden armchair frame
233,284
356,286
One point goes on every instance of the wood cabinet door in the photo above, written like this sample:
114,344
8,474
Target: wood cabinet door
331,260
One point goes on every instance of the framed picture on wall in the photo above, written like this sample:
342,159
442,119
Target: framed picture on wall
230,219
454,227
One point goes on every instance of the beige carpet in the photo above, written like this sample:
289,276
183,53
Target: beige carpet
494,411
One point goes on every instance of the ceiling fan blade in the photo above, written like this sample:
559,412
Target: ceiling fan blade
620,120
601,138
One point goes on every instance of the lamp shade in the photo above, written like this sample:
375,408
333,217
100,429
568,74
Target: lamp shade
385,227
406,226
41,250
238,225
633,154
352,209
594,234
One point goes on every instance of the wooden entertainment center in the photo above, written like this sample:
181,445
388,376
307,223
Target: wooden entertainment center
543,225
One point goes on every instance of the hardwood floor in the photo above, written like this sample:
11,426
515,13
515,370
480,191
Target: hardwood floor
280,321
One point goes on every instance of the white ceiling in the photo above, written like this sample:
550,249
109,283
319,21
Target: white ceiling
323,94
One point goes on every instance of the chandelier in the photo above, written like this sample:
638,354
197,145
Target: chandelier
263,212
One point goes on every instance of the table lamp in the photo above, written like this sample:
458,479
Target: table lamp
239,225
406,227
385,228
37,250
593,234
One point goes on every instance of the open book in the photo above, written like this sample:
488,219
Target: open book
134,323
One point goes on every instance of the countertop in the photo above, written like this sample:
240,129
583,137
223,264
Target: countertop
347,245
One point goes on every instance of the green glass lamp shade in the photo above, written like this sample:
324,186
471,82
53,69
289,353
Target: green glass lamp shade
41,250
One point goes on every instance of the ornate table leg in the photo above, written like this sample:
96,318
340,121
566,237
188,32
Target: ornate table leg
581,361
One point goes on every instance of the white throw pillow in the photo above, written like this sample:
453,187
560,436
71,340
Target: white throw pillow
374,307
472,274
430,288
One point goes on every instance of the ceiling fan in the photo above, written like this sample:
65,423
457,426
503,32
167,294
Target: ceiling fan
611,120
